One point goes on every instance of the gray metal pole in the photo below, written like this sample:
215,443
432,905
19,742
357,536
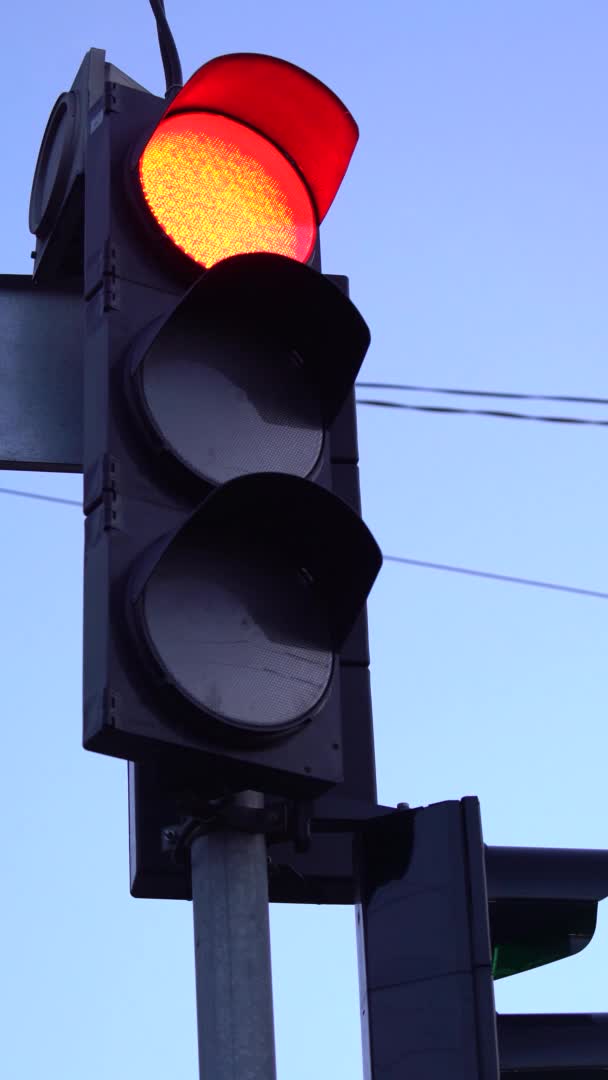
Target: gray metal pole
232,954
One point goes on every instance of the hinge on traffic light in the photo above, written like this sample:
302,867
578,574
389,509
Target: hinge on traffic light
112,517
101,484
110,97
110,706
110,283
109,473
101,274
110,294
111,510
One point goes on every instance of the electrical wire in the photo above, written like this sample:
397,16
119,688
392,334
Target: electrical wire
496,413
509,579
168,49
571,398
43,498
497,577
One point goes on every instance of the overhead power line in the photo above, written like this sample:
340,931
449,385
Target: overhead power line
497,577
496,413
387,558
414,389
43,498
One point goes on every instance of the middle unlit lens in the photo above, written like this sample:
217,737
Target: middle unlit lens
228,407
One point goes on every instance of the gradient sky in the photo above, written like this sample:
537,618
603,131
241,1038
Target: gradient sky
473,226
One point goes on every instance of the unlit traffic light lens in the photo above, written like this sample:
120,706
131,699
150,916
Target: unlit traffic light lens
228,408
217,188
239,630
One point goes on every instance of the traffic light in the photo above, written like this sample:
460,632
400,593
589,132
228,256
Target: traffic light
224,576
440,916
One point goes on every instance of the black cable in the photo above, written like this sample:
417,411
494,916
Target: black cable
483,393
43,498
497,577
388,558
168,49
500,414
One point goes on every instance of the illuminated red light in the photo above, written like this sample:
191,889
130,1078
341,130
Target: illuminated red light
218,188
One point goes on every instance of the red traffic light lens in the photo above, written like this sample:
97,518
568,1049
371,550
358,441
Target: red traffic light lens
217,188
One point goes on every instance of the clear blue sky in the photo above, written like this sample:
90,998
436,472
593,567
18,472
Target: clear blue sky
473,224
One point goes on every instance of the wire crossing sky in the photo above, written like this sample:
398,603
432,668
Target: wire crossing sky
509,579
499,414
483,393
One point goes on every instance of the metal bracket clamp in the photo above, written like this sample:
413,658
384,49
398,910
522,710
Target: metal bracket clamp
278,822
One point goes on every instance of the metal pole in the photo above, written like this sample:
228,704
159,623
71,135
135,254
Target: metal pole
232,954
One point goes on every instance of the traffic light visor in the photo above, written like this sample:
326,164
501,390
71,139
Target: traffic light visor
248,157
543,904
249,369
218,188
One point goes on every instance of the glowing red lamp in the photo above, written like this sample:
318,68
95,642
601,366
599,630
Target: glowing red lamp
248,157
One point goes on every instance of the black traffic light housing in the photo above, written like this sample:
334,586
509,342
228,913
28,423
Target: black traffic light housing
440,915
56,215
201,388
129,270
